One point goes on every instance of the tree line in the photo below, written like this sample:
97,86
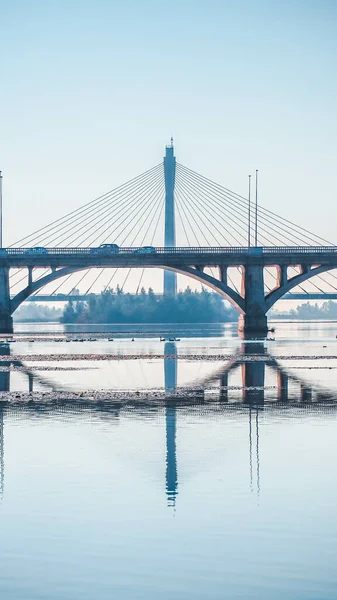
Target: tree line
307,311
115,306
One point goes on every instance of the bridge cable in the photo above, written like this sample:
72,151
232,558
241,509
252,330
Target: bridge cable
121,209
185,196
221,212
146,217
129,271
161,206
181,220
201,231
243,200
180,201
16,273
220,206
146,203
77,211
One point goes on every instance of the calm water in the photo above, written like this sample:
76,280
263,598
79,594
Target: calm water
208,498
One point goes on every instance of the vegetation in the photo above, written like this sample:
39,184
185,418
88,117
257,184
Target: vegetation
147,307
328,310
37,312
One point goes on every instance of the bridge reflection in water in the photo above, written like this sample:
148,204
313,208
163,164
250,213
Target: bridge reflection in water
253,374
251,361
252,358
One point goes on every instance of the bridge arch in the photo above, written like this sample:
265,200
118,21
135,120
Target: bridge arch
227,292
233,297
278,292
38,284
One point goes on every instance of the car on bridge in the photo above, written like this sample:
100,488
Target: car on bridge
105,249
145,250
36,250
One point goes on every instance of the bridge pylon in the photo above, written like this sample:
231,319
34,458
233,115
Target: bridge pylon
170,277
254,319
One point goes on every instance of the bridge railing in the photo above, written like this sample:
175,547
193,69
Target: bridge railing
176,250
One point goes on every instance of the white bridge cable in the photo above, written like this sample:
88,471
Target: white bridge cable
146,204
192,205
263,212
222,213
220,202
150,184
161,206
185,194
101,217
177,206
73,215
196,201
180,204
217,208
123,217
60,284
188,181
160,203
149,179
185,201
151,209
195,206
158,199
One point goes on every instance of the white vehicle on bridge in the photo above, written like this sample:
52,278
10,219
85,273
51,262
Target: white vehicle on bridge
146,250
105,249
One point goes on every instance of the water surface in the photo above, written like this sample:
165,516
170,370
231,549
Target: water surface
229,493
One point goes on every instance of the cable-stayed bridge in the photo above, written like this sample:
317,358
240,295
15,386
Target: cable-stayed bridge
171,218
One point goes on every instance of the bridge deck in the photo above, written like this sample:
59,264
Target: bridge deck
168,257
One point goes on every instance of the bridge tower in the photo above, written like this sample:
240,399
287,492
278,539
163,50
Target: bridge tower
170,277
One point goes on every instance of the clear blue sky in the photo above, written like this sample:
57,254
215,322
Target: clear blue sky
92,91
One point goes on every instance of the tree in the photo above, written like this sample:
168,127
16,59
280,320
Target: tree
117,307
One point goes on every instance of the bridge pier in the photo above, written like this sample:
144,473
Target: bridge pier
254,320
6,320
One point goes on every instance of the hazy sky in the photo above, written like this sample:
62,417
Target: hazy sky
91,92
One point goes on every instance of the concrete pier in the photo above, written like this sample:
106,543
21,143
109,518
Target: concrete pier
6,320
254,321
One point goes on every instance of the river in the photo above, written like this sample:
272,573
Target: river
205,470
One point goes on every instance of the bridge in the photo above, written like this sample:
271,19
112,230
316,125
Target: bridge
216,224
